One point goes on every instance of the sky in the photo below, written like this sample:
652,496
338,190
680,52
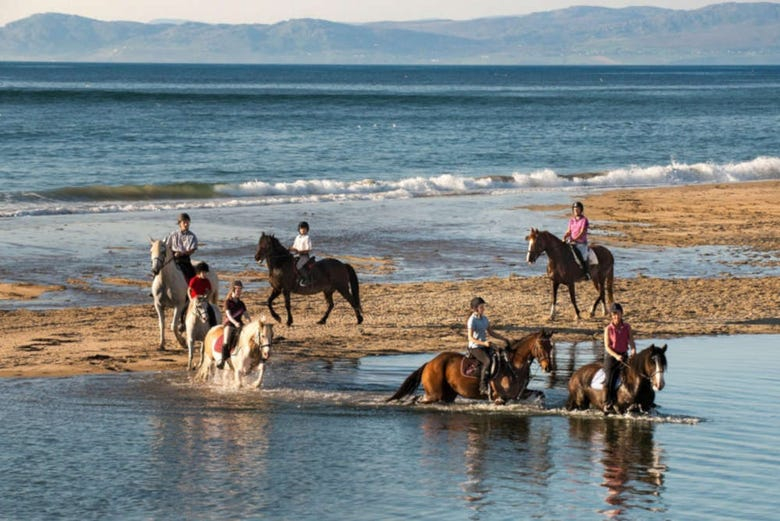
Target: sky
272,11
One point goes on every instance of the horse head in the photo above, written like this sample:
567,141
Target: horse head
658,359
159,252
200,306
261,340
536,345
650,363
534,249
542,350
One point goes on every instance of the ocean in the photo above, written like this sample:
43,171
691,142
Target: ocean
427,169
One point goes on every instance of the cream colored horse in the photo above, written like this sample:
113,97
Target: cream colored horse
196,323
252,350
169,289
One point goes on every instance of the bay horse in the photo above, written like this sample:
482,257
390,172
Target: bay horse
326,276
641,377
196,323
443,380
563,269
169,289
252,349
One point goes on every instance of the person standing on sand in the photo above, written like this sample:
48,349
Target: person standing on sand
618,337
235,312
577,235
478,330
183,243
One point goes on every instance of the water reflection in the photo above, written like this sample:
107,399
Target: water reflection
492,455
631,463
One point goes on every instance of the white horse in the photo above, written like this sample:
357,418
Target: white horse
169,289
252,350
196,323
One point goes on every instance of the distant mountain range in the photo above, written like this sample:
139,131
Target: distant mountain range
726,33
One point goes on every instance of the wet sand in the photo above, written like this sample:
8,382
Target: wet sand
429,317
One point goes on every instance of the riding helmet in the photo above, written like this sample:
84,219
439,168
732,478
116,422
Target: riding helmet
476,301
577,204
237,284
303,224
183,217
201,267
615,308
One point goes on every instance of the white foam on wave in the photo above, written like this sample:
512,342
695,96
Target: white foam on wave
322,190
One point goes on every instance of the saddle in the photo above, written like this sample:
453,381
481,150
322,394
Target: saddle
305,271
600,378
470,367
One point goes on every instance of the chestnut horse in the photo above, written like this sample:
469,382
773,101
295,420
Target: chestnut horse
563,269
443,379
327,276
641,377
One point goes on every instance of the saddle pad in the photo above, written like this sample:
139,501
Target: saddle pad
592,259
217,347
598,380
470,367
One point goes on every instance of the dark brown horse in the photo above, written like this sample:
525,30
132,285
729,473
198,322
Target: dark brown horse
326,276
563,269
641,377
443,379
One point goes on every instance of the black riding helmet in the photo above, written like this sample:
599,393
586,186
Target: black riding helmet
303,224
615,308
476,301
202,267
577,204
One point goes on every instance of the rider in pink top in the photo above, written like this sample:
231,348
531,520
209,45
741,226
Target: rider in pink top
577,235
618,338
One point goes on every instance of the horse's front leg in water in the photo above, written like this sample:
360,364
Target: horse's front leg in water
260,372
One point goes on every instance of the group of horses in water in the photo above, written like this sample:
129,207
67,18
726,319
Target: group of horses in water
447,376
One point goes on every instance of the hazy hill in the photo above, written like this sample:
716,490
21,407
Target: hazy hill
723,33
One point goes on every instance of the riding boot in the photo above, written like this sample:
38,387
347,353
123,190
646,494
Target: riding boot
483,381
585,269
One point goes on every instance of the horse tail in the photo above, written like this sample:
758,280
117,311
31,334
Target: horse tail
410,385
354,286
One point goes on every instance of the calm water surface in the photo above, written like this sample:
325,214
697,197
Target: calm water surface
318,442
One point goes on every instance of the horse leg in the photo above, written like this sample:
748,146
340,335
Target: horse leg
574,301
348,297
260,372
287,307
329,300
177,314
599,285
270,303
161,322
190,350
554,300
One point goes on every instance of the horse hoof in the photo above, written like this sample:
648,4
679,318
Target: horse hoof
161,348
321,322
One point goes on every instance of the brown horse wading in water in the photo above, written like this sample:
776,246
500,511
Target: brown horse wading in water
443,380
641,377
563,269
326,276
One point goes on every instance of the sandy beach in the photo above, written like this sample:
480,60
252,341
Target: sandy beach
429,317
